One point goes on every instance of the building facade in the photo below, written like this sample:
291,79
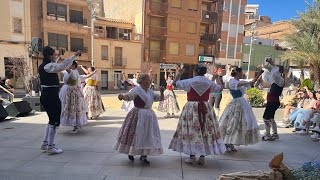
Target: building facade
14,39
117,51
62,24
232,32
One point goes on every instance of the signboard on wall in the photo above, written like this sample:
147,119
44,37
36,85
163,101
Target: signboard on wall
206,58
168,66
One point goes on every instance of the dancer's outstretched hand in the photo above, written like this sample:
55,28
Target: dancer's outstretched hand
120,97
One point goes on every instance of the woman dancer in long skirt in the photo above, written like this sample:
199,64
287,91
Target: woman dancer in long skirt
198,130
73,105
92,95
140,133
169,104
238,125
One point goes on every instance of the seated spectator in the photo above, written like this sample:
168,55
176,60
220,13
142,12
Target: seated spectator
291,87
10,88
316,120
296,103
298,117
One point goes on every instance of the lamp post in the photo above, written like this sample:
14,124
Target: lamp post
253,32
93,8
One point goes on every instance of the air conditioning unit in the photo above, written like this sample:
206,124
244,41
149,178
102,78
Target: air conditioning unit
207,16
126,34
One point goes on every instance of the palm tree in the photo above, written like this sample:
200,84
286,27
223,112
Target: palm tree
305,42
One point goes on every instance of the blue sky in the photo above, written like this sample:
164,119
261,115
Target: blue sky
280,9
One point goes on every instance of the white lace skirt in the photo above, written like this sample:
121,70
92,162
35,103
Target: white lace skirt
169,104
238,124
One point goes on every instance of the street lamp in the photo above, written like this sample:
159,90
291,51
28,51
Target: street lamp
93,8
253,33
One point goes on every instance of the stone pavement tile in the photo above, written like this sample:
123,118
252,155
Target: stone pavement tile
20,154
260,165
161,173
117,159
11,164
14,175
118,171
92,158
229,166
291,157
201,174
134,178
257,155
211,165
40,167
81,168
165,162
22,143
169,152
239,155
64,157
101,147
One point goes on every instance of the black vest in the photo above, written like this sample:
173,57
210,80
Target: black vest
276,90
48,79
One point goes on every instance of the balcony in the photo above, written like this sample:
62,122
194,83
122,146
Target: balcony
156,33
206,38
136,37
119,62
209,16
156,8
156,56
210,1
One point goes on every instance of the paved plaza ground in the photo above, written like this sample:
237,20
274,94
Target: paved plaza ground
89,154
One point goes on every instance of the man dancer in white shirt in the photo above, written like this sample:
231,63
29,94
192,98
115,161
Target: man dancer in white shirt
49,99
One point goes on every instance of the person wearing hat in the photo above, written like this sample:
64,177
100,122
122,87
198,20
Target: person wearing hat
49,99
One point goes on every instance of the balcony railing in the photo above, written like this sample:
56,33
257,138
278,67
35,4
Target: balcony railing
154,32
156,56
209,16
119,61
206,38
156,8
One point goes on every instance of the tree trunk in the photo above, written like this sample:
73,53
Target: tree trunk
302,75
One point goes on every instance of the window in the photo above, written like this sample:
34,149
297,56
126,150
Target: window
193,5
176,3
231,49
57,11
174,48
226,6
223,46
235,9
239,48
76,16
190,49
58,41
174,25
243,9
224,26
192,27
76,44
112,32
233,30
124,34
17,25
104,52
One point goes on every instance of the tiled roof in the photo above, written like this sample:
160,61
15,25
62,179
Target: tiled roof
113,20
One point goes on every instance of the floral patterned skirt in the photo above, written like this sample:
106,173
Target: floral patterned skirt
74,108
197,135
126,139
169,104
238,124
94,102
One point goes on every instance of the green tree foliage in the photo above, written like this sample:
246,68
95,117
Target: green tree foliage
255,97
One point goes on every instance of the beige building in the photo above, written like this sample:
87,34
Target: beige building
117,51
14,38
276,30
62,24
253,17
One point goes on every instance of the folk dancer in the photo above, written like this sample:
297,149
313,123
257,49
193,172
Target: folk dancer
50,94
140,133
197,132
169,104
92,95
238,125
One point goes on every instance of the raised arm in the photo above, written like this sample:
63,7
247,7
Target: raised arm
55,67
165,74
177,76
93,73
84,69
